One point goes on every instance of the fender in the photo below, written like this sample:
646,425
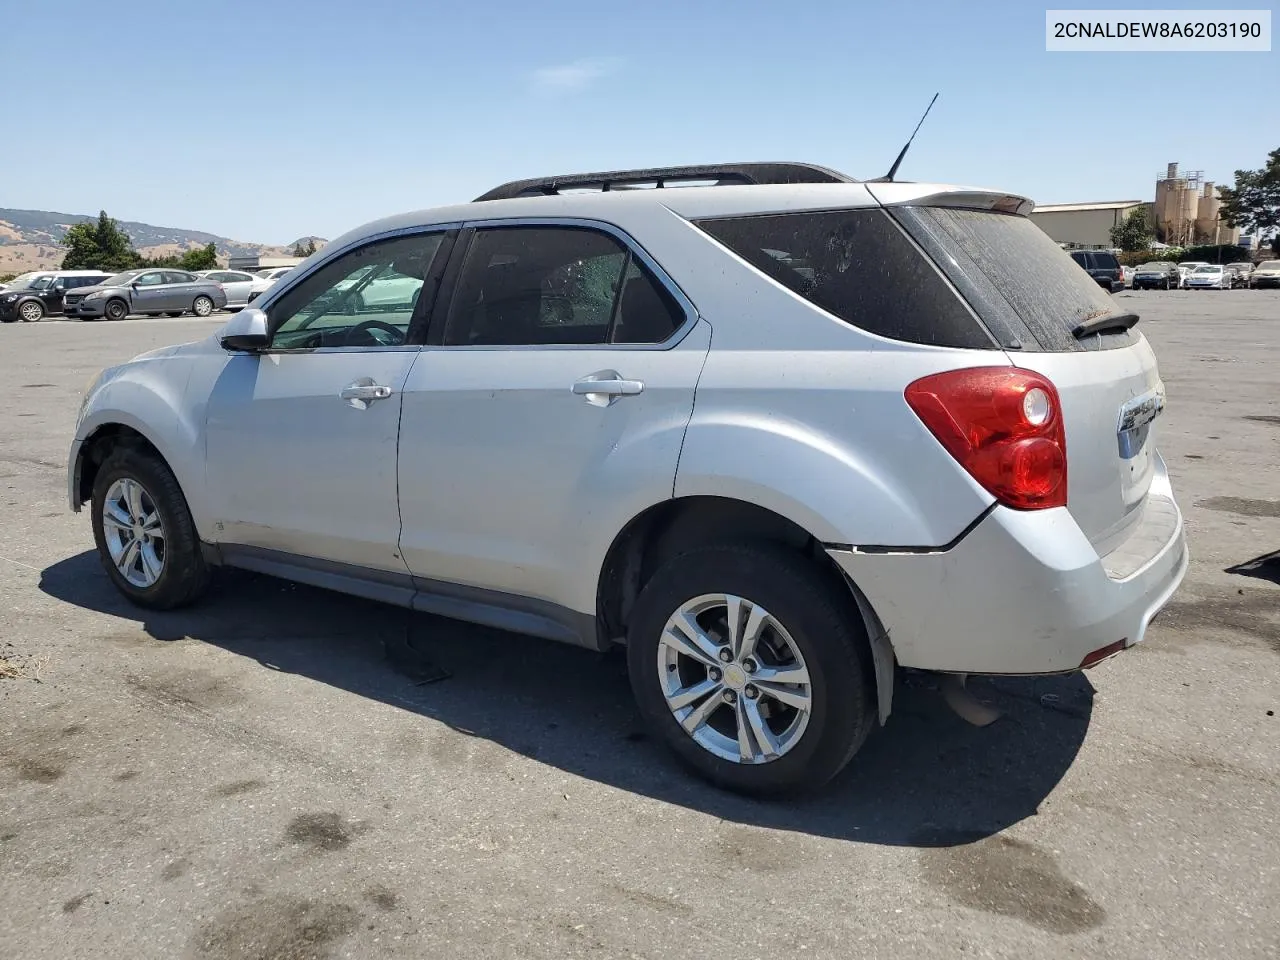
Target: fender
134,396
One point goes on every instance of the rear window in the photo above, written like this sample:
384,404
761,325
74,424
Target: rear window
1026,289
859,266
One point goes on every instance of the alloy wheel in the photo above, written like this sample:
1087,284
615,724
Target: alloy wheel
134,532
31,311
202,307
734,679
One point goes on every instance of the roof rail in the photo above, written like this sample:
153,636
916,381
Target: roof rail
723,174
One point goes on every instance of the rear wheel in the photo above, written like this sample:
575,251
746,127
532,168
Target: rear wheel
116,310
753,666
31,311
143,529
202,306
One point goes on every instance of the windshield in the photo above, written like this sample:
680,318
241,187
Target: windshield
119,280
1270,266
1152,267
1208,269
26,283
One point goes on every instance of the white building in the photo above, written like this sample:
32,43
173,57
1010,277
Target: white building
1084,226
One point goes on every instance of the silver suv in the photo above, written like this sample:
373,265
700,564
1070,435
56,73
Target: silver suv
779,432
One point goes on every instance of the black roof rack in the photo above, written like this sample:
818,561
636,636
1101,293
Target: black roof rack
723,174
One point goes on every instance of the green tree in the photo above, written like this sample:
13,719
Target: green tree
301,249
202,258
1254,202
1133,234
99,246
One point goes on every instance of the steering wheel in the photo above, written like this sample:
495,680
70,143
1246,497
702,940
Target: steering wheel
395,336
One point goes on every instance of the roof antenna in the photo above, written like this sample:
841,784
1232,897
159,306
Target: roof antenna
888,177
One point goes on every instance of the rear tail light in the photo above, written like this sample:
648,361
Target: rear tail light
1004,426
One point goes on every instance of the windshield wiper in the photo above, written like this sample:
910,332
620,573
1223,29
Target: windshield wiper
1110,323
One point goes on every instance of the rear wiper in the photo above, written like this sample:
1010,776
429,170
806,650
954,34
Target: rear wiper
1109,323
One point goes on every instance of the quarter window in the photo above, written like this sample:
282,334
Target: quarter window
364,298
545,286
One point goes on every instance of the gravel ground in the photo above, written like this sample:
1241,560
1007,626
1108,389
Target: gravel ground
254,780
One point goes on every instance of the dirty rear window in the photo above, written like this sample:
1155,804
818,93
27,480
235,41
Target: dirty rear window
1027,290
860,266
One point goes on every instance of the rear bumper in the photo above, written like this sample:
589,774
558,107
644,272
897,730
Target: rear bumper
1025,592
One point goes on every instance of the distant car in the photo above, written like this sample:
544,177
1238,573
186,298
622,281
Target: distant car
1157,275
1265,274
241,288
1210,276
275,273
1126,275
41,294
1240,273
1102,266
173,292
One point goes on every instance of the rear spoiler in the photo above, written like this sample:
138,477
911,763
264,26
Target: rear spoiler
933,195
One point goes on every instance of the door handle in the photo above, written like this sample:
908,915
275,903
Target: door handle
360,393
606,387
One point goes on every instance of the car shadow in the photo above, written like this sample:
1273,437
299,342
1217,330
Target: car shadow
926,779
1265,567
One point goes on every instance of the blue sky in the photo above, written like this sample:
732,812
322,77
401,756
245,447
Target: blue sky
267,120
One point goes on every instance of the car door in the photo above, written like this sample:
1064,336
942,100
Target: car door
531,432
52,295
180,290
237,285
301,438
149,293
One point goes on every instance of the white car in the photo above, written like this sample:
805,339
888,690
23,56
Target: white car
921,436
1209,276
242,288
275,273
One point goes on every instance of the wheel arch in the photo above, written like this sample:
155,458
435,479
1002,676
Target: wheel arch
666,529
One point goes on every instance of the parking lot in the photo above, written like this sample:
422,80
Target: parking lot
254,778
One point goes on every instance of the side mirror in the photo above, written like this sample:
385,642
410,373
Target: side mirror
246,332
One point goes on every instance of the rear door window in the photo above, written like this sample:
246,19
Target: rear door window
859,266
1029,293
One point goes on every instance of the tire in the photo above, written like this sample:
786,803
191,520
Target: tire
183,572
31,311
202,306
818,617
116,310
173,313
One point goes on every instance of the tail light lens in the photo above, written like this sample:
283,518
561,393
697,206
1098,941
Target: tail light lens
1004,426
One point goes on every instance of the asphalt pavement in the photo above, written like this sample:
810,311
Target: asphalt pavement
255,779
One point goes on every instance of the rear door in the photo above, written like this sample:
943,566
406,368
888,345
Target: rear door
547,410
1033,298
180,290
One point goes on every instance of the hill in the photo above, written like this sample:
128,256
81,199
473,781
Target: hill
29,240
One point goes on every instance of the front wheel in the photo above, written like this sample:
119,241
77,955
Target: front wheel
202,306
753,665
116,310
146,539
31,311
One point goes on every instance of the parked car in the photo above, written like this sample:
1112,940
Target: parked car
1265,274
1240,274
1157,275
1102,266
1210,276
998,505
148,291
275,273
241,288
42,294
1126,275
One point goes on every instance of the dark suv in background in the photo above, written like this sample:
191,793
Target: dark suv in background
42,295
1102,266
